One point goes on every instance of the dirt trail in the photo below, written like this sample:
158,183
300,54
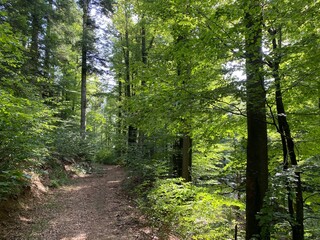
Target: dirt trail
91,208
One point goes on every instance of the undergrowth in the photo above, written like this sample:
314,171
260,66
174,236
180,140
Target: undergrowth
185,210
12,183
190,212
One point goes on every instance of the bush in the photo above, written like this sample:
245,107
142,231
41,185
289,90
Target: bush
57,174
68,142
106,156
25,125
191,212
12,182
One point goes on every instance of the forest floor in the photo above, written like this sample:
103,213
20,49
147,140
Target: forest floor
91,207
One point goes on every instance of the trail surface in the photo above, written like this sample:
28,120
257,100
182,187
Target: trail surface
93,207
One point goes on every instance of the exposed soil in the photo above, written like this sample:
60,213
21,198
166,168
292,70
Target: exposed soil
93,207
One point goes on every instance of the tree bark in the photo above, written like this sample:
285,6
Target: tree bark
132,131
34,47
186,157
84,67
119,150
183,146
257,155
144,53
47,89
144,60
177,157
295,206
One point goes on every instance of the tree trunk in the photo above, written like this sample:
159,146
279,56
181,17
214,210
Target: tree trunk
34,47
132,131
144,60
182,157
177,158
47,89
132,136
144,53
183,146
119,150
84,68
295,206
257,155
186,157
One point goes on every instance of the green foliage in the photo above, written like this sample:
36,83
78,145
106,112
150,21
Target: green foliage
30,101
147,166
311,179
12,183
275,218
192,212
57,174
169,199
10,51
25,125
68,142
106,156
203,41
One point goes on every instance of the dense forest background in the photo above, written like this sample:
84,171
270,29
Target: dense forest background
212,106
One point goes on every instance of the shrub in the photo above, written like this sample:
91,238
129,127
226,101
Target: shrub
68,142
12,182
106,156
25,125
191,212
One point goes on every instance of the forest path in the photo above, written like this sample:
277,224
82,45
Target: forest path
93,207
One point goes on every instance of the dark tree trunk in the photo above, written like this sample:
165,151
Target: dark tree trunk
132,136
34,47
148,150
183,150
144,60
177,157
144,53
182,157
132,131
47,90
84,67
186,157
257,155
295,206
119,149
127,60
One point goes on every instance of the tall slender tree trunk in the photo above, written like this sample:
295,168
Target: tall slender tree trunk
84,67
132,131
182,158
119,123
257,155
47,90
295,205
47,55
149,150
144,60
144,53
33,64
